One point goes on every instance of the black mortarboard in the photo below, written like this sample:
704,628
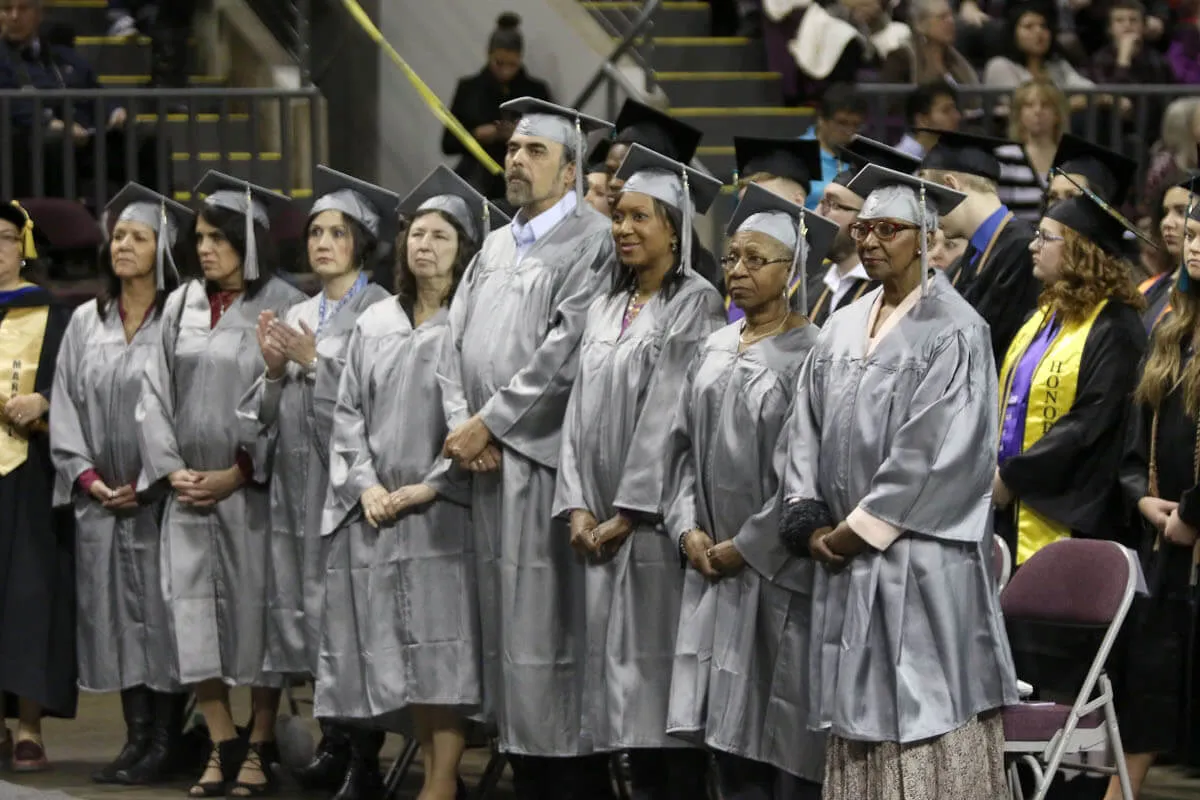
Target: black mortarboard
766,212
371,206
255,202
1109,173
1094,219
862,151
969,153
443,190
795,159
638,123
598,156
136,203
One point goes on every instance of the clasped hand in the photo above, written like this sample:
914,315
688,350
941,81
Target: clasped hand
381,507
204,489
713,561
595,540
471,446
120,499
281,343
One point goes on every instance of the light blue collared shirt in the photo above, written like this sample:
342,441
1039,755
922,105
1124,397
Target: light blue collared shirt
526,233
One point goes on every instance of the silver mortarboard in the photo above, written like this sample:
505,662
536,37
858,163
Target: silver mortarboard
255,202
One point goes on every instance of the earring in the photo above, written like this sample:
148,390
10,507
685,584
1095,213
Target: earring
24,263
674,245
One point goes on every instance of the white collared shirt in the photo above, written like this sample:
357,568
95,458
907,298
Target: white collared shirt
525,234
840,284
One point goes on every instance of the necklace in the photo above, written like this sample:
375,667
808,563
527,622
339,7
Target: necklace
324,314
758,337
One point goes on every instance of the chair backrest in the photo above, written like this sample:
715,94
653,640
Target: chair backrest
1003,560
65,224
1072,582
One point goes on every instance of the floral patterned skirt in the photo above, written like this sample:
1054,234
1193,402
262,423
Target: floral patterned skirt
965,764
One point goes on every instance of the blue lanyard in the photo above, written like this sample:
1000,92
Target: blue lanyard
324,314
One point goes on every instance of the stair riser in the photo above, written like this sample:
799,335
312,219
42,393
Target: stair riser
721,130
666,23
717,58
130,58
187,174
723,93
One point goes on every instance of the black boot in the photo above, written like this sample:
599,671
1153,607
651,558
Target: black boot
137,704
363,780
329,764
163,759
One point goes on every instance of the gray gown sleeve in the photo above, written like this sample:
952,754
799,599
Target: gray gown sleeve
259,411
449,373
568,489
641,489
802,435
450,481
69,448
943,457
350,469
679,495
529,409
155,414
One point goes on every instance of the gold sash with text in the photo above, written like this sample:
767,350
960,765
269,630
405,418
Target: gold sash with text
22,332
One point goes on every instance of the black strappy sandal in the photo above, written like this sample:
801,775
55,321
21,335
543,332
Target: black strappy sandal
222,756
257,757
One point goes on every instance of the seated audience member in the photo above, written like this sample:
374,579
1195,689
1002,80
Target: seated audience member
1032,52
1038,119
1093,21
1125,58
930,57
29,62
1173,156
477,100
931,105
1183,53
840,117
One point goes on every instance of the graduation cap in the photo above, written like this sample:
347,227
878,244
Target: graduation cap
597,158
798,160
559,124
371,206
255,202
678,185
1109,173
970,153
1092,218
638,123
18,216
443,190
862,151
897,195
136,203
807,235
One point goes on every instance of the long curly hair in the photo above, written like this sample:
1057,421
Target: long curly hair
1089,276
1164,369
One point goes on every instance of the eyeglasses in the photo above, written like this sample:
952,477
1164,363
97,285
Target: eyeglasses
753,262
826,204
884,229
1040,237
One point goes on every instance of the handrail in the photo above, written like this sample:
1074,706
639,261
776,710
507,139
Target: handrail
643,21
432,100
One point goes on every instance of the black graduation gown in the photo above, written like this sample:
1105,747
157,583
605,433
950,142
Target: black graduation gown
1158,704
1157,295
1070,475
476,102
37,552
1004,291
819,297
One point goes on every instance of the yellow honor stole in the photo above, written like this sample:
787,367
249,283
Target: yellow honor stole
22,332
1051,395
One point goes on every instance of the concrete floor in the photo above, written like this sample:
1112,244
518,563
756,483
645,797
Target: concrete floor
78,747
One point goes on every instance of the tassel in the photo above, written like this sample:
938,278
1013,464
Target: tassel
28,248
799,264
250,263
580,143
924,243
487,221
685,246
163,256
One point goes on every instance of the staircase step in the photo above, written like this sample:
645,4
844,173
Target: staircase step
721,88
184,196
266,170
123,56
211,135
672,19
143,81
722,124
720,53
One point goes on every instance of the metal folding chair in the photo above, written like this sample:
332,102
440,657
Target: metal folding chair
403,763
1078,583
1003,558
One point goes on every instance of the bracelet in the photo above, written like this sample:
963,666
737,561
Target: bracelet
683,543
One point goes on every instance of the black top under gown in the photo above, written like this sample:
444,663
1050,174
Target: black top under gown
37,583
1157,698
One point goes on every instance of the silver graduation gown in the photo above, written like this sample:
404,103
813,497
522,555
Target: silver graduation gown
515,330
213,559
742,647
907,643
294,416
122,638
617,423
400,601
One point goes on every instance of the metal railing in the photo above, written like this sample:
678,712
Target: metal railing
273,137
636,40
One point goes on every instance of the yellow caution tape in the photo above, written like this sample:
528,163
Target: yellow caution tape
435,104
